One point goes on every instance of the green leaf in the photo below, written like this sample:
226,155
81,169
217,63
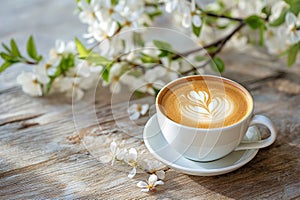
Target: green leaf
106,71
162,45
154,14
281,19
65,64
14,49
97,59
163,54
199,58
82,50
196,30
218,65
255,21
148,59
5,56
294,6
31,49
292,54
6,48
114,2
5,65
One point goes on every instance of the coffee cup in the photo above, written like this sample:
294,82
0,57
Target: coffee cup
205,117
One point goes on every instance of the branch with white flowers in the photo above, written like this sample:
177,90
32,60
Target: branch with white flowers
71,68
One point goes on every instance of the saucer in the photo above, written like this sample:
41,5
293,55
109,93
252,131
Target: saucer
158,146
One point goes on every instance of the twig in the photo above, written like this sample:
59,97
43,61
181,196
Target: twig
223,16
219,43
195,68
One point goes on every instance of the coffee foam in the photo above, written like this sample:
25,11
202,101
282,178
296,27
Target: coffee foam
209,103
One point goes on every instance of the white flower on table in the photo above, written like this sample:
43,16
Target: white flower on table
131,160
292,22
155,167
136,110
150,184
115,153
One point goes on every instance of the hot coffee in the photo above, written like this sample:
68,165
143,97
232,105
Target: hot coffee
209,102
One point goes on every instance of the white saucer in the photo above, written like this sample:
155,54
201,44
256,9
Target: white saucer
158,146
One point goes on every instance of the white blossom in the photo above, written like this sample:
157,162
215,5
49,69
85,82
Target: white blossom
33,82
136,110
247,8
276,39
170,5
155,167
101,31
89,11
114,78
30,84
115,153
276,9
78,79
150,81
170,69
61,49
131,159
190,15
150,184
292,23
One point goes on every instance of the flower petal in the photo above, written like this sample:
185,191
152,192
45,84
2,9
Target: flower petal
121,154
152,179
132,173
161,174
134,115
132,154
290,19
145,190
197,20
145,108
113,147
158,183
142,184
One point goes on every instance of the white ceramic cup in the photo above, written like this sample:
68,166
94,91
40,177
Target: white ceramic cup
207,144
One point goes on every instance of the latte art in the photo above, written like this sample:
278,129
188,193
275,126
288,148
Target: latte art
200,107
205,103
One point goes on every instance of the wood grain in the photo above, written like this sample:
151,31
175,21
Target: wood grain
49,149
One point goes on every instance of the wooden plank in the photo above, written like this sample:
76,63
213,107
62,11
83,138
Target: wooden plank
54,167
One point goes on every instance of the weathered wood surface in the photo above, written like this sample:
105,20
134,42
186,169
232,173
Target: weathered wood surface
44,154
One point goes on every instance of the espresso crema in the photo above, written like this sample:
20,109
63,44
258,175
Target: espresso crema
205,103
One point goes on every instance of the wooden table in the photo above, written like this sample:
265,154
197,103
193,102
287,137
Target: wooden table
44,145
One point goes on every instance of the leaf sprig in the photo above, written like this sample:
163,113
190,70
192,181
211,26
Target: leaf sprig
12,54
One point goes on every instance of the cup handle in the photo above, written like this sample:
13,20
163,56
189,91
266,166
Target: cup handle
263,120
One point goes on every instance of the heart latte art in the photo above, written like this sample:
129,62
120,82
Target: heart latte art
200,107
209,103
